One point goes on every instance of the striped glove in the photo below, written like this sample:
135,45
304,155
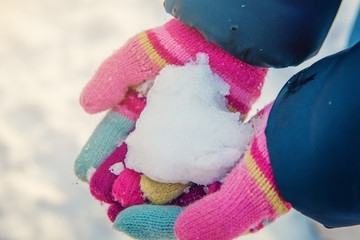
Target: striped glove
121,84
247,200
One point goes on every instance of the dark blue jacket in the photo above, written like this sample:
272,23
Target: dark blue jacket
313,132
313,138
264,33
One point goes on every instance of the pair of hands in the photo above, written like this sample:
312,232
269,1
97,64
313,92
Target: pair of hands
247,199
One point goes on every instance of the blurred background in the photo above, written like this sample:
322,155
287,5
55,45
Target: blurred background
48,51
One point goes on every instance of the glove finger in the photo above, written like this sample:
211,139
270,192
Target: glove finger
106,137
126,188
195,193
127,67
161,193
109,134
138,215
102,180
114,210
150,222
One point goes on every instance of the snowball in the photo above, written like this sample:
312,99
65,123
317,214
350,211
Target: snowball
186,133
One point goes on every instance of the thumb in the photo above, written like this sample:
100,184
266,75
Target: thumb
150,222
127,67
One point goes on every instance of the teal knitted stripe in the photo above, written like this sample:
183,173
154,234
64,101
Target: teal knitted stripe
148,222
106,137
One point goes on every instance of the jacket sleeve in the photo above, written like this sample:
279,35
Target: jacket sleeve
271,33
313,138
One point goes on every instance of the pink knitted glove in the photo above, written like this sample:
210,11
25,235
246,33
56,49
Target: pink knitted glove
144,55
247,200
116,85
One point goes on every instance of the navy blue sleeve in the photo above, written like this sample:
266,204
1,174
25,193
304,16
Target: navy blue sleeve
313,138
263,33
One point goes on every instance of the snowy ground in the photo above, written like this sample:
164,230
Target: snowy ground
48,51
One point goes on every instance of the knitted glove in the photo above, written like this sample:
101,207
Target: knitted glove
144,55
247,200
121,83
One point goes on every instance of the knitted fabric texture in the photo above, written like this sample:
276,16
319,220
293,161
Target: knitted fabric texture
161,193
247,200
144,55
114,210
195,193
140,60
126,188
101,182
153,223
111,131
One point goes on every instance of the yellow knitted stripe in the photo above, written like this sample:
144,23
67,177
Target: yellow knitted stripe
150,50
231,108
264,184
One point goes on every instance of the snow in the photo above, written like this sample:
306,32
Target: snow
117,168
90,173
144,87
186,133
49,49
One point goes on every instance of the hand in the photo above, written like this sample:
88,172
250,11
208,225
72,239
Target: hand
240,205
247,200
119,84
